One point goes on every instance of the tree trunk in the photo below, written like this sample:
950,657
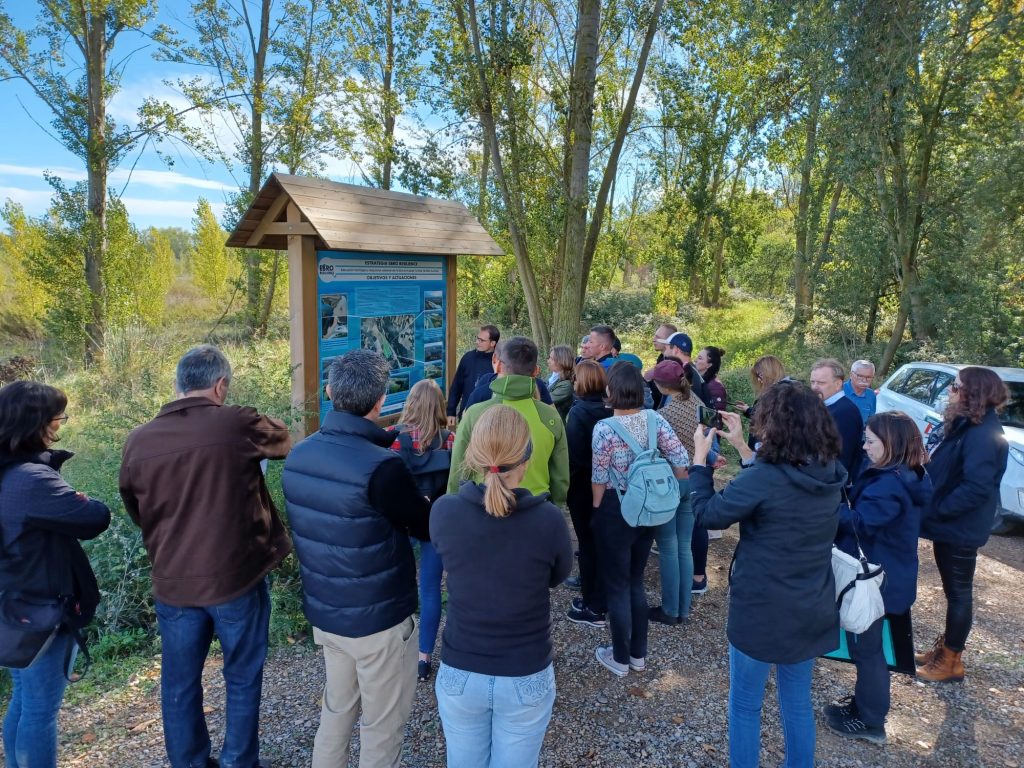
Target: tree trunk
254,258
513,205
388,95
869,333
802,307
568,303
97,162
611,169
897,335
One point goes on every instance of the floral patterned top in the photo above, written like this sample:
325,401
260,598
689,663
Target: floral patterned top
612,457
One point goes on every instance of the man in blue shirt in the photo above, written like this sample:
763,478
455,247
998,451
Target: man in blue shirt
858,388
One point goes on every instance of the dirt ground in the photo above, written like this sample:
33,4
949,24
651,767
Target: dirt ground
674,714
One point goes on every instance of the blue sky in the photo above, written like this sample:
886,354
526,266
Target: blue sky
155,194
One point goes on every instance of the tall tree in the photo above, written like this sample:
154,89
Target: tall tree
66,61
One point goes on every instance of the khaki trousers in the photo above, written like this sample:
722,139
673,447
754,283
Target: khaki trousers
378,673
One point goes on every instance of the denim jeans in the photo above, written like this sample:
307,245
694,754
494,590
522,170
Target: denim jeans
747,679
675,558
699,547
30,727
622,553
581,512
430,595
242,625
956,569
872,690
491,721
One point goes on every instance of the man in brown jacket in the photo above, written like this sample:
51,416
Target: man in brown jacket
191,479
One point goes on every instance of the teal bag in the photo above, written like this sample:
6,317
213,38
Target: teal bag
652,491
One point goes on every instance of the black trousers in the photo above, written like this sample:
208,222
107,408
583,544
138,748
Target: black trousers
956,565
581,512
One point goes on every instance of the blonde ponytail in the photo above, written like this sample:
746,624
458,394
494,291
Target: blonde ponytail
500,442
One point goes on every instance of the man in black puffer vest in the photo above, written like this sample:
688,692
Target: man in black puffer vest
352,505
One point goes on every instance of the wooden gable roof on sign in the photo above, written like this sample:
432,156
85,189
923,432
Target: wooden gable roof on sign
347,217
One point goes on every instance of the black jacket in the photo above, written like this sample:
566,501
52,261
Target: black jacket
482,391
579,431
472,366
966,468
887,504
850,424
42,519
352,504
782,601
500,573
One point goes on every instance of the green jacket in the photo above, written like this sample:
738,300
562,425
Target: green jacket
548,470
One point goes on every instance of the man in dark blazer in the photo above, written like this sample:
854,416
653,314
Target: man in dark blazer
827,377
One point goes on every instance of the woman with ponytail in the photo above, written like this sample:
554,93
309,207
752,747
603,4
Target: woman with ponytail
504,549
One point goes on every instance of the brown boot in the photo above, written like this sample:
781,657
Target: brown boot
926,658
946,667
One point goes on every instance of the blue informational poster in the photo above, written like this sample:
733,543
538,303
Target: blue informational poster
393,304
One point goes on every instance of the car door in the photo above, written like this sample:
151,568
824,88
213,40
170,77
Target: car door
916,394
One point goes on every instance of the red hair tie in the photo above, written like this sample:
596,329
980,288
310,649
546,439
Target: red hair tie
494,470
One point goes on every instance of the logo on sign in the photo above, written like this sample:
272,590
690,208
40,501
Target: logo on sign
326,269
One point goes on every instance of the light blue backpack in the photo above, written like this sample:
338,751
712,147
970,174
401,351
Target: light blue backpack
652,490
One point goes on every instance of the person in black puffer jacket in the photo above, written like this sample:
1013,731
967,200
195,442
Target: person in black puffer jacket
589,408
966,467
353,504
782,609
41,521
884,516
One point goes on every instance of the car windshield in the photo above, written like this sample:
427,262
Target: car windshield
1013,415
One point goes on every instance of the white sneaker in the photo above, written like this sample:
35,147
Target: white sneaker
637,665
603,653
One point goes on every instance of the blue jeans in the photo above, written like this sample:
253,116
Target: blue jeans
675,557
747,679
622,554
242,625
494,722
430,595
872,690
30,727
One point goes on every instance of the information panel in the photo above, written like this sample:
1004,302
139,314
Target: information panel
393,304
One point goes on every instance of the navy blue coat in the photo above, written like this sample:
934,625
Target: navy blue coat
966,469
42,519
579,431
358,570
851,434
888,504
782,598
471,367
482,391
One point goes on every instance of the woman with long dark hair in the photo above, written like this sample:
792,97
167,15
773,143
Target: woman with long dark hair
966,467
504,549
782,609
42,519
884,516
623,550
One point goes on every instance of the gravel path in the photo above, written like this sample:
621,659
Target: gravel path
674,714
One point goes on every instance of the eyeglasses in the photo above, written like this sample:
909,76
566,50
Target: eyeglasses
862,376
63,418
483,340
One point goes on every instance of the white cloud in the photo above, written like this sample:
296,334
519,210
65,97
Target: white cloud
145,212
34,201
157,179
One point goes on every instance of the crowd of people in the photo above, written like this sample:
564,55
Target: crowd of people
476,483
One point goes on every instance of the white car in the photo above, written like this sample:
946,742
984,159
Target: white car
921,390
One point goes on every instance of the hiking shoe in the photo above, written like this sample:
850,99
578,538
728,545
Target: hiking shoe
855,728
842,709
583,615
573,582
637,665
658,615
699,587
603,653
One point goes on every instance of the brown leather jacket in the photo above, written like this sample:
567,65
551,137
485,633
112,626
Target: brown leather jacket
191,480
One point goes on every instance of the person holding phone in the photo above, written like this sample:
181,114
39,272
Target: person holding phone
782,609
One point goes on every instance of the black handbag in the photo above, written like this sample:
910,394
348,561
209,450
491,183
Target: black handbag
28,626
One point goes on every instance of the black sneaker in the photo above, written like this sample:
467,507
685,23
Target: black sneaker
699,587
842,709
658,615
584,615
855,728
